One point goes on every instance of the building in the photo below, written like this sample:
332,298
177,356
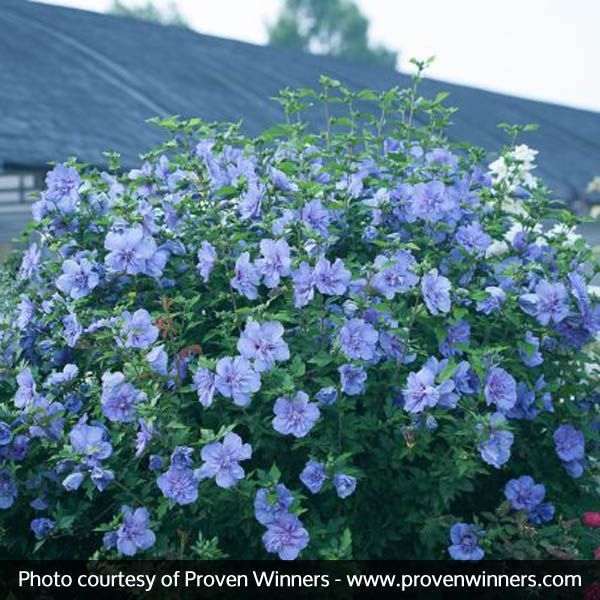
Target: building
76,83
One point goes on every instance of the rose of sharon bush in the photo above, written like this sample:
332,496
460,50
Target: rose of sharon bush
360,343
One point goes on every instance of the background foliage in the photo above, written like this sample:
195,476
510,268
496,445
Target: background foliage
332,27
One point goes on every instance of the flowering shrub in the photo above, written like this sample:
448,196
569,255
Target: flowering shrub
356,343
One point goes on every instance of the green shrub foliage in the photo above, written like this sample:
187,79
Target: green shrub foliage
362,342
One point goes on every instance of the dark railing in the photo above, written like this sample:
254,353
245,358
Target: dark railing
16,188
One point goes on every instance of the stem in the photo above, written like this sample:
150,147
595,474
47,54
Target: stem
130,492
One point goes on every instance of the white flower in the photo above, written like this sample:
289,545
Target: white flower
514,207
529,180
523,153
594,185
511,234
594,290
515,172
592,368
496,248
517,228
562,230
499,169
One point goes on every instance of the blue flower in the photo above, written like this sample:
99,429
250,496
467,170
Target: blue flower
531,357
431,201
395,274
421,391
8,489
155,265
431,423
313,476
570,447
134,534
20,444
525,407
500,389
109,540
263,344
119,399
237,379
63,185
286,537
251,201
458,333
352,379
353,184
179,484
465,542
473,238
269,505
101,477
155,462
158,360
182,457
549,302
144,436
326,396
137,330
331,279
316,216
542,513
304,281
495,450
552,302
281,223
129,251
221,460
47,419
72,330
436,292
207,258
26,313
91,442
281,181
496,298
358,340
378,202
204,382
369,233
574,468
42,527
26,389
569,443
30,261
589,315
524,494
246,277
79,278
275,262
296,416
344,485
68,373
73,481
5,434
442,157
39,504
146,211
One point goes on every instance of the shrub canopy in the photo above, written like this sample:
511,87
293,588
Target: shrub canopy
361,342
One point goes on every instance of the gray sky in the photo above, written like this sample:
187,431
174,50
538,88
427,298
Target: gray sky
541,49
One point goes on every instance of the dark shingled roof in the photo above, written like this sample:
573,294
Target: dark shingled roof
78,83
